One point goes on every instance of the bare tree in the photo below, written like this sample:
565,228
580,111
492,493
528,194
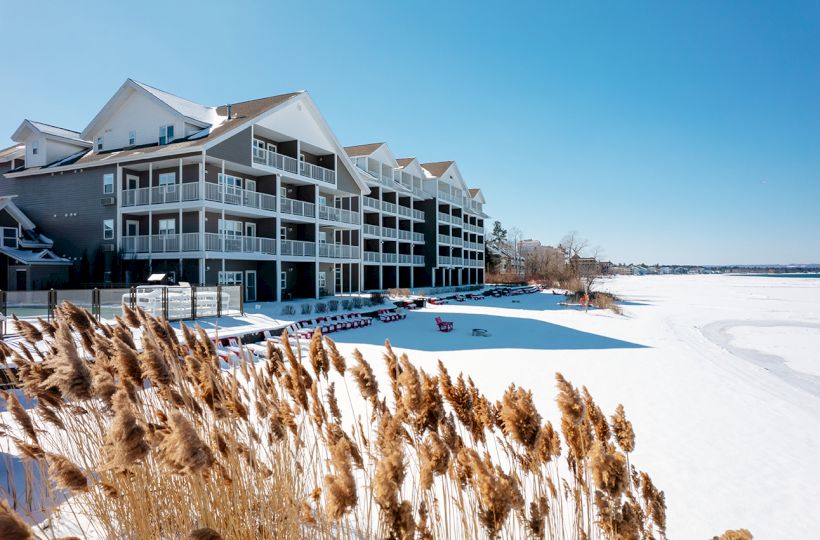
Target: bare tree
515,235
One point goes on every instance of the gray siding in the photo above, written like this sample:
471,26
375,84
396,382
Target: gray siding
65,207
237,148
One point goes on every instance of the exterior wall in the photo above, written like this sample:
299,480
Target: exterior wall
142,114
56,150
237,149
66,207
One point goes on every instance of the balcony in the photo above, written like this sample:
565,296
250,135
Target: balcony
444,260
297,208
443,238
418,237
372,256
388,257
298,248
388,207
405,211
338,251
405,258
371,230
186,242
190,191
388,232
456,241
417,215
291,165
405,235
444,218
370,202
418,260
338,215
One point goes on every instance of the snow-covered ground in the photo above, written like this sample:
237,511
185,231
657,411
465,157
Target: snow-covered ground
732,440
719,374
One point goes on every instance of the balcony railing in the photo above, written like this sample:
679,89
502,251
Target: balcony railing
443,238
293,166
297,208
371,230
298,248
456,241
370,202
189,191
388,257
418,237
418,259
405,258
405,211
240,197
389,207
388,232
338,251
417,214
372,256
405,235
444,218
174,243
443,260
340,215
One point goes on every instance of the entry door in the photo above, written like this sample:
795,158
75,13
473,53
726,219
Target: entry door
133,181
250,285
250,230
338,280
132,228
21,280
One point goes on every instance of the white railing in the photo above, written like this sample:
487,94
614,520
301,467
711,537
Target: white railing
372,256
404,211
297,208
405,258
457,221
456,241
443,238
341,215
190,241
298,248
444,260
239,244
418,214
388,232
370,202
456,261
317,173
276,160
418,237
389,207
405,235
388,257
135,244
418,259
444,218
135,197
371,230
168,193
163,243
338,251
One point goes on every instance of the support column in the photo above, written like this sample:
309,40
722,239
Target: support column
278,225
316,238
202,178
201,246
180,227
118,224
150,183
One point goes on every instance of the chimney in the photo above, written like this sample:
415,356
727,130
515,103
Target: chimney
229,110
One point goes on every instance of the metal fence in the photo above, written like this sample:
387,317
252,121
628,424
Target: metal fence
171,303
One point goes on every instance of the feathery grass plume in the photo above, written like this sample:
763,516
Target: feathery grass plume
409,381
12,525
20,415
48,414
595,416
498,493
393,370
654,502
547,446
66,474
435,457
122,332
608,468
318,355
46,327
618,520
71,374
336,359
204,533
333,403
127,361
125,441
103,347
460,399
521,420
79,318
29,332
577,432
340,486
539,509
424,532
622,428
153,361
735,534
131,317
30,451
431,412
183,451
365,380
274,364
103,385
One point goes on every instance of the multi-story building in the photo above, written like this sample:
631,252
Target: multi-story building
258,192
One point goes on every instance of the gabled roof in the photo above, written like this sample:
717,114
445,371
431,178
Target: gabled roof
193,112
7,204
363,149
476,194
438,168
48,130
12,152
405,161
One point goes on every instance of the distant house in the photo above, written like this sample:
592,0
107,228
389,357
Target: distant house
26,259
506,260
586,266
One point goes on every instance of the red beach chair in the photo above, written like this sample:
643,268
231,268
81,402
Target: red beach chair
444,326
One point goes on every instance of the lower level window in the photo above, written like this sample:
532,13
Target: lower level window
10,237
108,229
322,280
283,280
230,278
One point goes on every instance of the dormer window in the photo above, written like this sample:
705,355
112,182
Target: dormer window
166,134
35,147
10,237
99,144
132,138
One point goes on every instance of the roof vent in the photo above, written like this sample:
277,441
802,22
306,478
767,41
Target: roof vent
229,106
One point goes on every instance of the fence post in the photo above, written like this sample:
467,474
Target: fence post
241,299
218,301
165,303
52,303
3,305
193,302
95,303
132,298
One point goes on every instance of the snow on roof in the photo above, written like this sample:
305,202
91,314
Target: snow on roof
191,109
48,129
12,152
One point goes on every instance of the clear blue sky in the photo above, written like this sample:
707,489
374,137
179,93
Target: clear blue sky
672,132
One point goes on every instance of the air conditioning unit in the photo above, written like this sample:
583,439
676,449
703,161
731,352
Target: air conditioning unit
108,248
109,201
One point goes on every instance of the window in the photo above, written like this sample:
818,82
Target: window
10,237
283,280
322,200
229,227
99,144
108,183
283,233
259,149
322,280
233,184
166,134
167,181
108,229
322,237
132,138
230,278
283,192
302,158
167,227
35,147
